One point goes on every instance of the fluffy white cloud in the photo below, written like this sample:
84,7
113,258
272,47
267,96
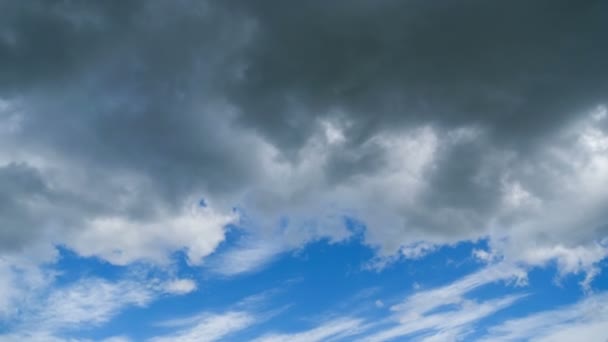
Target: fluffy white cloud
180,286
197,230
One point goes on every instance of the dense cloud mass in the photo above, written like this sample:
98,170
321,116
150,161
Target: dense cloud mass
430,123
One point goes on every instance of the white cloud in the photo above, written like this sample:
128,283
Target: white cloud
246,257
208,327
116,339
341,327
583,321
19,281
45,337
446,311
88,302
424,301
32,337
517,209
453,321
120,241
180,286
43,310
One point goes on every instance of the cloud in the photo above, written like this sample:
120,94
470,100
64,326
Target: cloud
429,123
448,310
219,325
43,337
455,322
424,301
72,188
19,280
180,286
341,327
399,62
89,302
210,327
46,312
36,307
248,258
584,320
198,230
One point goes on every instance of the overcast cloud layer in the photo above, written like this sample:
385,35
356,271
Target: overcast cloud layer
428,122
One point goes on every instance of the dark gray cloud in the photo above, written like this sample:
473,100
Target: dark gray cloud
18,183
45,42
129,108
518,68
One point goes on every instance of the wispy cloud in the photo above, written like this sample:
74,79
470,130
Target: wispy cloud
46,337
585,320
446,310
340,327
208,327
89,302
212,326
424,301
247,257
452,322
436,313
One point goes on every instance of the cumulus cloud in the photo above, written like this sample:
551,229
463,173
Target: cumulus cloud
180,286
430,123
198,230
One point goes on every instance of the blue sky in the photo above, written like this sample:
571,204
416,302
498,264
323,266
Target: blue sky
205,170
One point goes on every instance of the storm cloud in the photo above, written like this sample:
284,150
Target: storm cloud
429,122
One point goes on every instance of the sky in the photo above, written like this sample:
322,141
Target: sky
206,170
